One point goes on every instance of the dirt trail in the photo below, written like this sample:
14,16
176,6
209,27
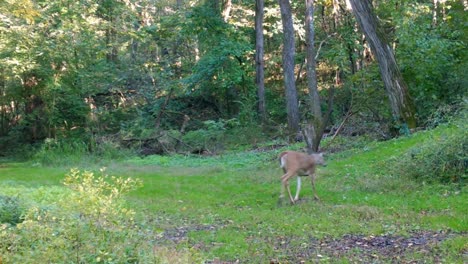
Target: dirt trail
355,248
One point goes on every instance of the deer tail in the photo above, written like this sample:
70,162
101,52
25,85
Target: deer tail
281,159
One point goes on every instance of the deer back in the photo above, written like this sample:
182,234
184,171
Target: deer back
300,163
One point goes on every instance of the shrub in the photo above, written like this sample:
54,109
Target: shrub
88,223
10,210
209,139
443,158
77,151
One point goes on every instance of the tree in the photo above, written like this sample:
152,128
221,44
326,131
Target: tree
260,63
288,67
314,131
397,90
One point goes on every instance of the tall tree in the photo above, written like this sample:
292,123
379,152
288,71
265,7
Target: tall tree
314,131
260,63
397,90
288,67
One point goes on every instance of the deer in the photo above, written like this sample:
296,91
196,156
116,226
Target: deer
299,164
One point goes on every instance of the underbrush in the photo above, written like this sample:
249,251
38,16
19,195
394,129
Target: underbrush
87,222
10,210
66,152
228,160
441,157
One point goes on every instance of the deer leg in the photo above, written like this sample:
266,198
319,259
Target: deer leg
285,185
298,190
285,176
312,178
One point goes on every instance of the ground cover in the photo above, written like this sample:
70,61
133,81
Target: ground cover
225,209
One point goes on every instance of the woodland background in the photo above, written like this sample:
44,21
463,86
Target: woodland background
157,77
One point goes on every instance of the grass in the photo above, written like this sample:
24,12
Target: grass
226,207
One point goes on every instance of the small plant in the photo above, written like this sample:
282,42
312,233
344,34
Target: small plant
10,210
100,197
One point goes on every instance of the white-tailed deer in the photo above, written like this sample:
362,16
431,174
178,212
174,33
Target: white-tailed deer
296,163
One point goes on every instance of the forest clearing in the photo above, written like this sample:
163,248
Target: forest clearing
174,131
225,209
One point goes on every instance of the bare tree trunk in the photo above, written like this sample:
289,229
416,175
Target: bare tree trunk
179,4
397,90
163,109
316,121
226,13
288,67
260,63
434,13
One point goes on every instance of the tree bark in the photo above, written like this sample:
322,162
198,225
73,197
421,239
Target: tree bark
288,67
314,99
397,90
163,109
226,12
179,4
260,63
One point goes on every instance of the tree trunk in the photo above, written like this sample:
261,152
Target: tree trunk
260,63
179,4
288,68
397,90
162,110
316,120
226,12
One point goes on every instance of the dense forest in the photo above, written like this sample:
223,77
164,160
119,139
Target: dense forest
194,76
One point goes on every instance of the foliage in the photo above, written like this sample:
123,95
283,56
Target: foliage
88,223
93,74
10,210
221,136
441,158
432,56
76,151
221,74
229,160
204,141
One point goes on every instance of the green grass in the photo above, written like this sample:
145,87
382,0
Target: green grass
227,206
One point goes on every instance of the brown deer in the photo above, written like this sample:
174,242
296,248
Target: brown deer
296,163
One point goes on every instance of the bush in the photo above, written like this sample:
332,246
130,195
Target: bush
88,223
77,151
443,158
210,139
10,210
